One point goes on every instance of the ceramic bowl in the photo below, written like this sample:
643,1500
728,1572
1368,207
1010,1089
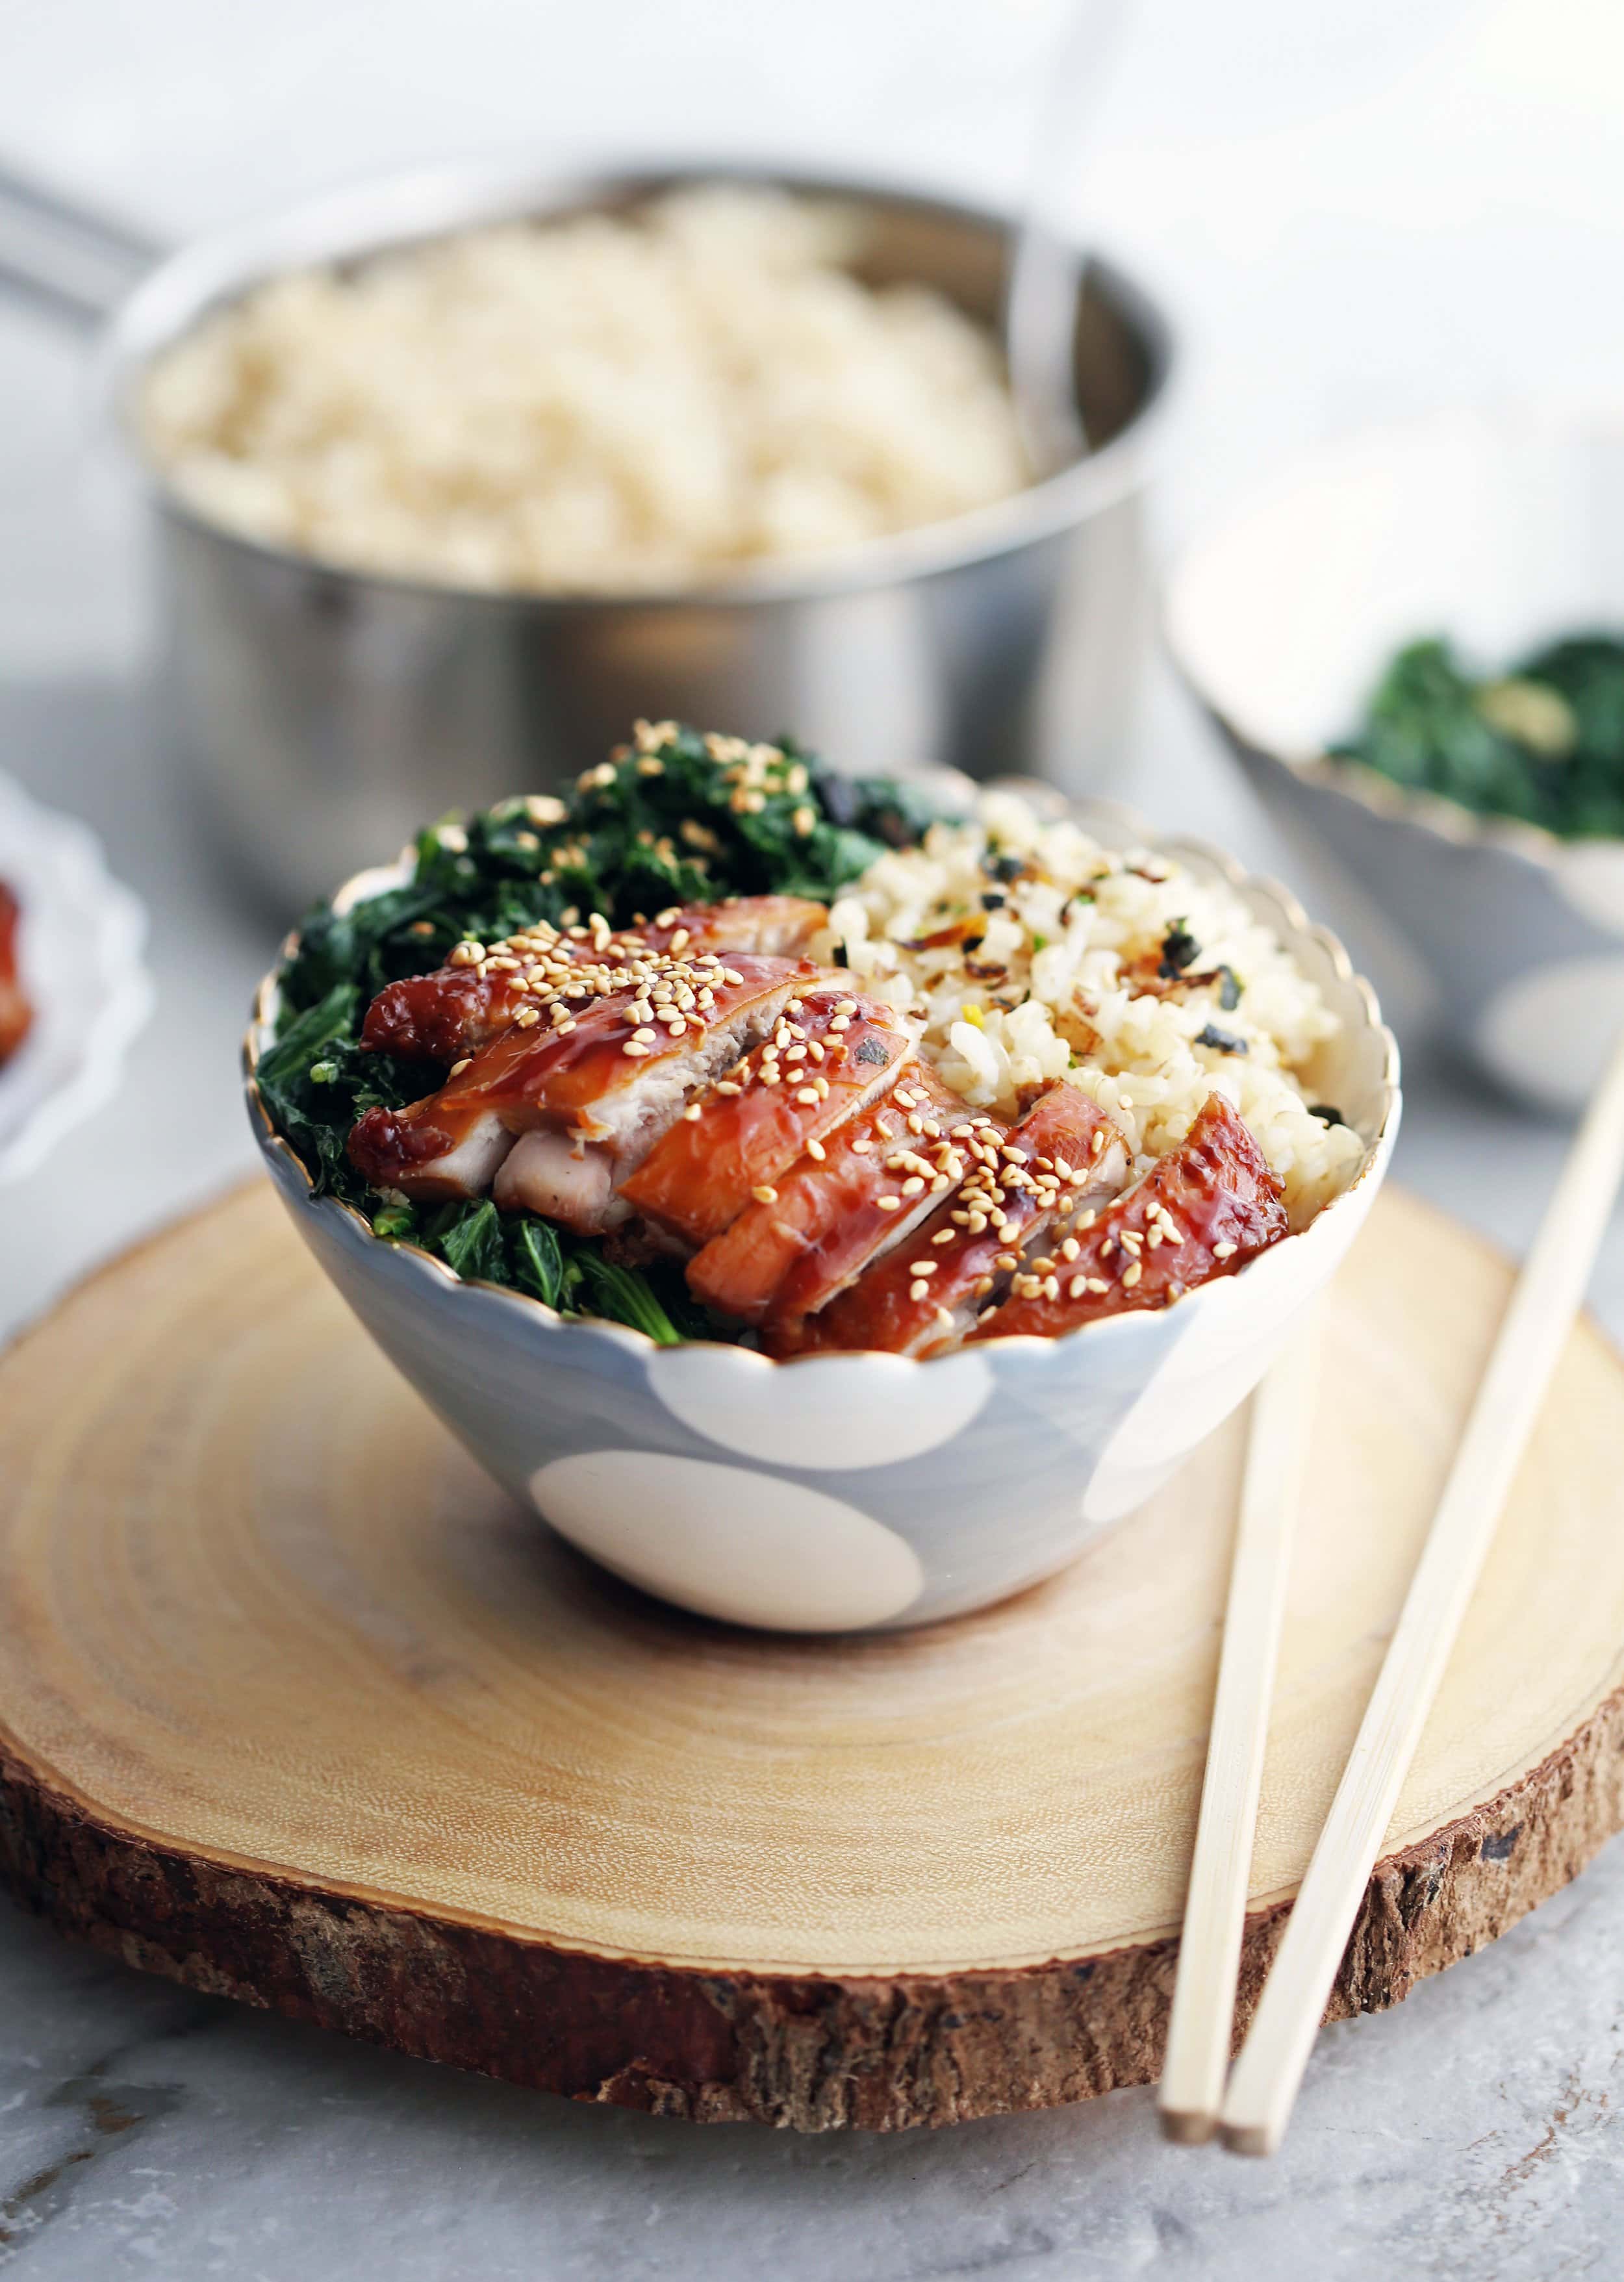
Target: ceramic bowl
80,951
1500,529
842,1493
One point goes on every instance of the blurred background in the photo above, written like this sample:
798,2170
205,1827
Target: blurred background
1349,214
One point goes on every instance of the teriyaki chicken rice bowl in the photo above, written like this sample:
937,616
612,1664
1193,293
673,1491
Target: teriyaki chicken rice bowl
728,1048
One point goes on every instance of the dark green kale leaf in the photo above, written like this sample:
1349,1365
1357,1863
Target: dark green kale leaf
1544,744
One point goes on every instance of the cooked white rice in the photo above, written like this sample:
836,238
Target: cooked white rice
1064,981
595,404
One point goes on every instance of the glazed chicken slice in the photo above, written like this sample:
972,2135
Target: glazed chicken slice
589,1074
16,1013
1201,1211
839,1207
831,1055
461,1006
927,1293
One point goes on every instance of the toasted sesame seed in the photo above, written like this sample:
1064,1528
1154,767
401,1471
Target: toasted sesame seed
861,1148
767,1194
1077,1286
815,1149
888,1203
918,1289
1224,1251
635,1052
913,1186
457,1068
527,1017
1097,1283
808,1094
1131,1273
944,1235
923,1267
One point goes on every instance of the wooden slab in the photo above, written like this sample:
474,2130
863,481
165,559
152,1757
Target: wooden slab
294,1705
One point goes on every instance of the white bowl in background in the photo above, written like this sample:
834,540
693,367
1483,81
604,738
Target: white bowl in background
79,947
1502,529
841,1493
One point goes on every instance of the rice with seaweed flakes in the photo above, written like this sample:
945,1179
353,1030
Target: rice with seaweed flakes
1035,953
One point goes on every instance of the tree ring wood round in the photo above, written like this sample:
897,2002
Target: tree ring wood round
295,1706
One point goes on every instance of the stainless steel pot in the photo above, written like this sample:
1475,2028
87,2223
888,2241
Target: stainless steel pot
325,712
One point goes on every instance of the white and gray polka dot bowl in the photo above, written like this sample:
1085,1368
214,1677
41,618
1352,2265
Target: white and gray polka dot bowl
1502,529
842,1493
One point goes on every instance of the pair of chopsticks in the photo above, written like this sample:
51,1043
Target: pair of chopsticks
1251,2113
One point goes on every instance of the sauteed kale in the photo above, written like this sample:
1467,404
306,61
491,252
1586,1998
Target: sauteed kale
644,830
1543,742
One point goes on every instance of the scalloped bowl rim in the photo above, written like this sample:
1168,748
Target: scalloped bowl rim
1355,781
1134,1323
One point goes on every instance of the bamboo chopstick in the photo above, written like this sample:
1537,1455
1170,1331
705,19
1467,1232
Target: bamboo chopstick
1536,1329
1198,2043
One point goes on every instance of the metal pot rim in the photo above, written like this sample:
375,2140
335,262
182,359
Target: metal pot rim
396,209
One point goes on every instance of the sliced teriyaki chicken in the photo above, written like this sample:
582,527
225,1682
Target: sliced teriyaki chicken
590,1072
832,1054
1201,1211
837,1209
927,1293
16,1013
461,1006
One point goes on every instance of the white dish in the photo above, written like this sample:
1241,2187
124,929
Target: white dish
1502,529
80,946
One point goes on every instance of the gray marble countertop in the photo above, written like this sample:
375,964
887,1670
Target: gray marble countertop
1352,222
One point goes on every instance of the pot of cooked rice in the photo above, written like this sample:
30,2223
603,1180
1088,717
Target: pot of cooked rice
452,474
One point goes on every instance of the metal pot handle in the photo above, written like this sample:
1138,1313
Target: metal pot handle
75,262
